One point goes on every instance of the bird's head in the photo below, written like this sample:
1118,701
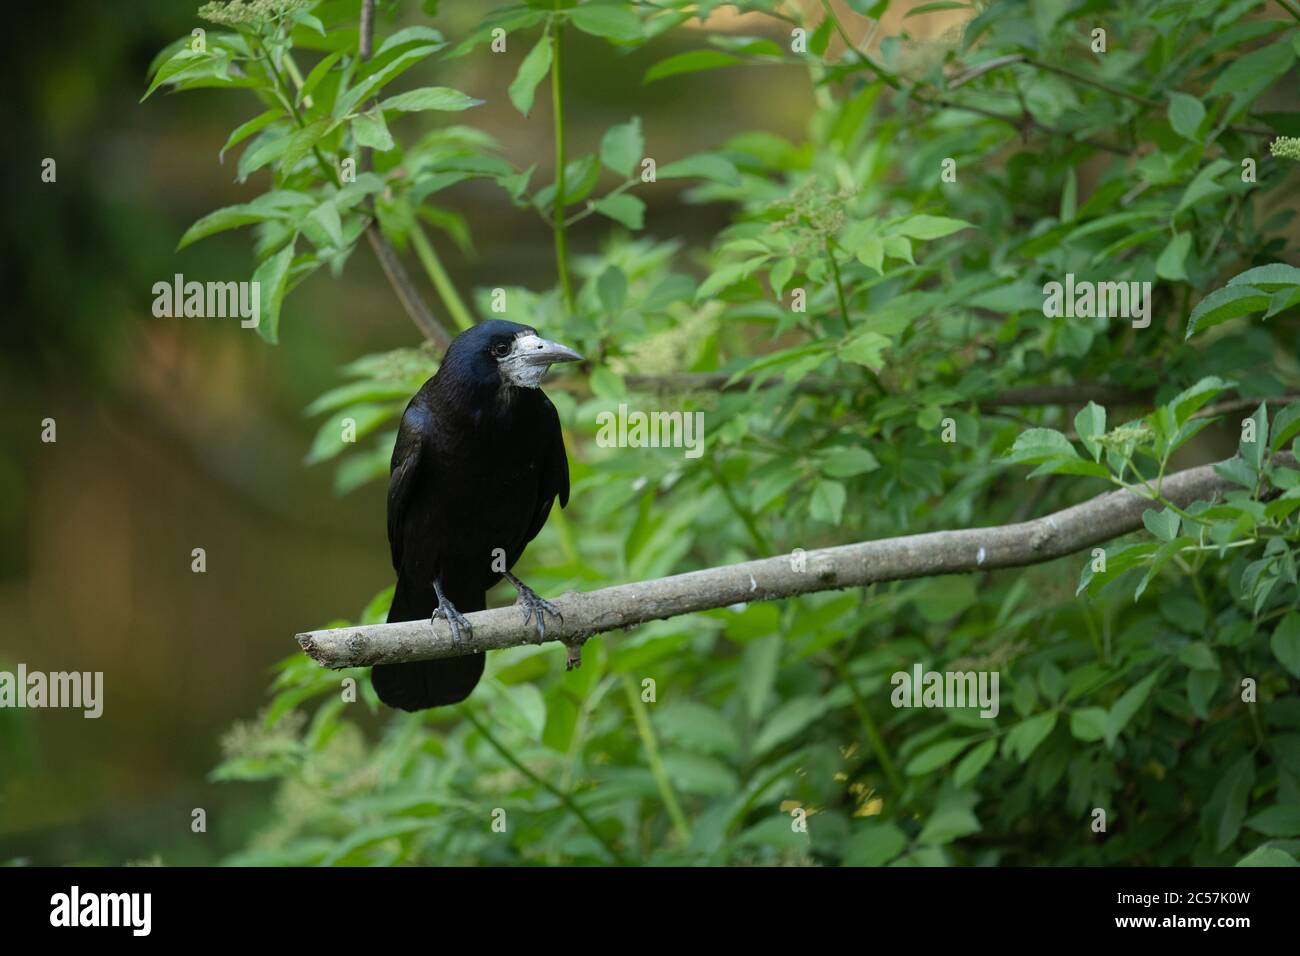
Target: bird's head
507,353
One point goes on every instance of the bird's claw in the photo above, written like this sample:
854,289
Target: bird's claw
455,620
534,605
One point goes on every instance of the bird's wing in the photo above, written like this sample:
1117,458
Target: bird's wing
556,476
407,453
553,468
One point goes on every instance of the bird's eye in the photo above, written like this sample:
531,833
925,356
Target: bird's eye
501,350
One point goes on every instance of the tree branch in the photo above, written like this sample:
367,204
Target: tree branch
1080,393
852,565
389,261
979,69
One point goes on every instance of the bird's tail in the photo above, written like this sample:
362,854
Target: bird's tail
423,684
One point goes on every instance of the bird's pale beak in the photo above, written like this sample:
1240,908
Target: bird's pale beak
539,351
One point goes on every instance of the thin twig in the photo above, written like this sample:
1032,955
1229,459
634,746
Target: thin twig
416,308
570,804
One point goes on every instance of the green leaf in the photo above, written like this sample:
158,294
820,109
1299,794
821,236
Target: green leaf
302,141
928,227
1251,74
1172,263
1253,452
874,842
1189,400
703,165
1224,304
1203,185
521,706
1041,445
1163,524
1270,278
369,129
1286,425
1199,656
899,247
270,276
383,75
1201,685
245,130
1237,470
758,673
606,20
1127,706
611,287
622,146
871,253
1088,724
935,7
698,774
845,462
1230,799
1267,856
781,275
409,35
948,823
629,210
183,62
866,349
535,66
317,74
697,728
691,62
788,719
827,502
936,756
430,98
327,215
1118,560
354,393
1285,643
267,148
1185,115
1090,424
1024,738
229,217
974,762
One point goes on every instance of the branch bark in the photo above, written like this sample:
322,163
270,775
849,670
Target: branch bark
853,565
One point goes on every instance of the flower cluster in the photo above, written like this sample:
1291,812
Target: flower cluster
251,13
1286,147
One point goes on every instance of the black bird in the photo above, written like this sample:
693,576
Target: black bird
478,462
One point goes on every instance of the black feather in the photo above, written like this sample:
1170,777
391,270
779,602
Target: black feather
477,465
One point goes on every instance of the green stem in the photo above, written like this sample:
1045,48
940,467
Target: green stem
560,795
1093,634
591,205
872,731
438,276
557,112
286,98
879,70
839,285
741,511
294,74
657,768
428,256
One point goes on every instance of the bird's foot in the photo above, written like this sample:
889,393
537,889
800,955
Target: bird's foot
455,620
535,607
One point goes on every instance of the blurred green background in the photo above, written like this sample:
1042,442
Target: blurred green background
178,433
